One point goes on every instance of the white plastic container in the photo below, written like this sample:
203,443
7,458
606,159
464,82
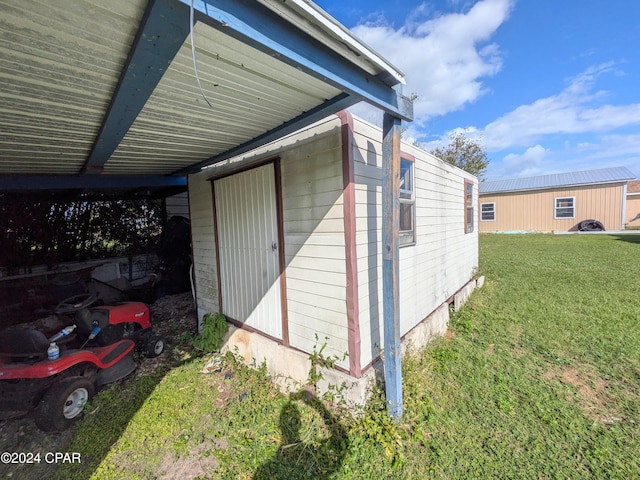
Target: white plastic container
53,352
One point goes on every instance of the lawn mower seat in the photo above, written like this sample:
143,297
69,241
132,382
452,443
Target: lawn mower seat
23,342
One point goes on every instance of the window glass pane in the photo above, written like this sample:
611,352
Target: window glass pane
565,207
564,213
469,193
487,211
406,217
469,207
469,219
406,178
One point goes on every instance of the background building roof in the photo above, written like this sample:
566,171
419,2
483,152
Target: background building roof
569,179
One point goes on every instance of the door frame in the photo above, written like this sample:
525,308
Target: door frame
275,162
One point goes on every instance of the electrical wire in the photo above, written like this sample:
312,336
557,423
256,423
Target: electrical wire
193,54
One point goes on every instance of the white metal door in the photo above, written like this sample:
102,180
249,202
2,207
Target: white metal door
248,246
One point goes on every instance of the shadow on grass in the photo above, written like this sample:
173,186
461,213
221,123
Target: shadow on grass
108,416
630,237
89,441
300,459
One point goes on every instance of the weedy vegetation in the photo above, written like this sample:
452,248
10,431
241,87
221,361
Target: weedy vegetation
538,377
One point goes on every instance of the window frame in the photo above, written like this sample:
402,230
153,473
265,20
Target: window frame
469,211
556,208
407,197
493,212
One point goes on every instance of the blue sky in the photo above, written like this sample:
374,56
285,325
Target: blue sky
546,86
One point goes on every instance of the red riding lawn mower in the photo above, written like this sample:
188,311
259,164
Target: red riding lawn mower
53,374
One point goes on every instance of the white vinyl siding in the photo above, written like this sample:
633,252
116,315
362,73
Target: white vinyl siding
443,258
203,245
313,223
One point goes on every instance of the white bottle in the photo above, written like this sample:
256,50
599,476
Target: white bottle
53,352
62,333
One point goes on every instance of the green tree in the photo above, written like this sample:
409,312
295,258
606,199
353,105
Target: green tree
464,152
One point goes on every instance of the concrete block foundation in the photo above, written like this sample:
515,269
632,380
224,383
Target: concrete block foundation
290,368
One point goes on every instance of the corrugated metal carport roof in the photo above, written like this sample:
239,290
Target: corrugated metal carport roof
103,94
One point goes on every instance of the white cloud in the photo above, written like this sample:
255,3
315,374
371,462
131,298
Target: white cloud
444,58
574,110
530,160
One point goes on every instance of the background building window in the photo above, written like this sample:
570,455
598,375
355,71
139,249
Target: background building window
488,212
565,207
407,203
468,202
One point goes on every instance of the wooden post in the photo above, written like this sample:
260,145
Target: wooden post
390,267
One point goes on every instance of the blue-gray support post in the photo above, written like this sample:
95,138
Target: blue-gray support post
390,268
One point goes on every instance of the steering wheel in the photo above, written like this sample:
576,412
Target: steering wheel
75,303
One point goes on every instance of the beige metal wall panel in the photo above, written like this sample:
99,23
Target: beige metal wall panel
633,211
57,80
239,81
248,247
533,211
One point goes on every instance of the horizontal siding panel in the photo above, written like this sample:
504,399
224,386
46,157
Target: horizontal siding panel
443,258
316,284
307,315
321,277
316,239
316,251
316,300
316,212
329,225
316,264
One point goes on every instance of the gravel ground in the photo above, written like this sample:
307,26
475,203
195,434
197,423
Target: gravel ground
171,316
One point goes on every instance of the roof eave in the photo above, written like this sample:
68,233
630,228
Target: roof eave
555,187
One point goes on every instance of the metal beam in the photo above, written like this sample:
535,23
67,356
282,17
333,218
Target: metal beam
163,30
64,182
390,263
330,107
256,25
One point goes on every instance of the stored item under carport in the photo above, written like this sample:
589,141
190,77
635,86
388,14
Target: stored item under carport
56,381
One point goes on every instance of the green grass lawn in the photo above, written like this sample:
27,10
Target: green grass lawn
539,377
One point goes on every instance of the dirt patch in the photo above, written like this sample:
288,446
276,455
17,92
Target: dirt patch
590,393
172,316
199,463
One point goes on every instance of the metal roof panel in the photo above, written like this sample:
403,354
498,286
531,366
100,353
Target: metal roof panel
82,90
568,179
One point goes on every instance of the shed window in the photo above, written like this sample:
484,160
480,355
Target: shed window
488,212
468,204
565,207
407,203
